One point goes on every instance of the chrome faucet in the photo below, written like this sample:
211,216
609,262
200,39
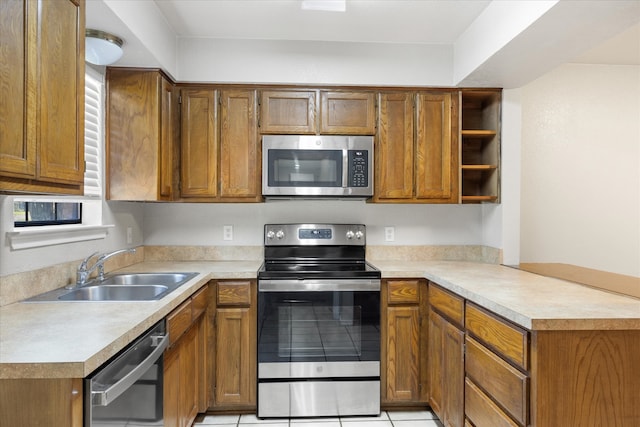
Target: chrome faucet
83,272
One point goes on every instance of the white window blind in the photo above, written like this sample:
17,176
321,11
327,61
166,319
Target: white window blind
93,133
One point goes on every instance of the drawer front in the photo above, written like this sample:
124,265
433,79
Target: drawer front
509,340
481,410
403,291
447,303
503,382
179,321
234,293
200,301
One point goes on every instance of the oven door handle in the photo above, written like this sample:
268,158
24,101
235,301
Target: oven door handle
104,397
318,285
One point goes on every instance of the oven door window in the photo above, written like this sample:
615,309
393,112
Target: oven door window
305,168
319,326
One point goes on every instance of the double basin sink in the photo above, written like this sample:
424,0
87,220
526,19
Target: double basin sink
121,287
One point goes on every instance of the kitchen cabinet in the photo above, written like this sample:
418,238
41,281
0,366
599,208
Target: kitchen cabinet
288,112
184,363
42,110
446,356
233,345
416,151
142,126
199,143
347,113
220,155
403,371
240,170
480,145
285,111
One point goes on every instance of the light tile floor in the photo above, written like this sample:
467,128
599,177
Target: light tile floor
386,419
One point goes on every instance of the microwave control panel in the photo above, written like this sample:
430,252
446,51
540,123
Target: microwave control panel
358,168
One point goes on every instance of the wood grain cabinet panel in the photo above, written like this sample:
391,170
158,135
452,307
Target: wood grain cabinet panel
42,116
482,411
504,337
448,304
288,112
347,113
142,124
416,151
199,144
233,346
404,343
505,384
239,160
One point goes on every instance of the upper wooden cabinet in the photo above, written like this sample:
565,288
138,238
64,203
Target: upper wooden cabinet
416,157
220,156
347,113
295,112
288,111
480,133
141,139
42,112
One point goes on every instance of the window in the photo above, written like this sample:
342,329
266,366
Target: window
34,211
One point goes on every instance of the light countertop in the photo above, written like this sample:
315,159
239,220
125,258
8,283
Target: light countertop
72,339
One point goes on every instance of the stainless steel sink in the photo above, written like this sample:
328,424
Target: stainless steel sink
121,287
115,293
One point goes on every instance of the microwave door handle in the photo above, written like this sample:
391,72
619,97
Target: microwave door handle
104,397
345,168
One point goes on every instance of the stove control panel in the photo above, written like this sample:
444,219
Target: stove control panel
314,234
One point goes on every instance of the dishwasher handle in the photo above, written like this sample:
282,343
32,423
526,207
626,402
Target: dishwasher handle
105,397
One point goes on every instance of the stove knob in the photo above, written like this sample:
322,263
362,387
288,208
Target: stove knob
280,234
271,234
350,234
359,234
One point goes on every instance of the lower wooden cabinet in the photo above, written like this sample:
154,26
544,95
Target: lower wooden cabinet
446,361
233,345
184,367
403,336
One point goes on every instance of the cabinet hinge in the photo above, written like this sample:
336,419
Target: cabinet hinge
179,99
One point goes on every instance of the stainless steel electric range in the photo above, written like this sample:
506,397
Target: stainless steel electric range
318,323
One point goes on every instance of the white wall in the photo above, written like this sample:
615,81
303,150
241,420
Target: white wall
201,224
121,215
581,168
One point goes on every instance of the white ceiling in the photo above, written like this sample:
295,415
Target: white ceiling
586,31
382,21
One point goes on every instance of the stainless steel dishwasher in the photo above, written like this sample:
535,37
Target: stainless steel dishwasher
127,390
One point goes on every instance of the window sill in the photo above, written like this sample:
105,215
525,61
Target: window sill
56,235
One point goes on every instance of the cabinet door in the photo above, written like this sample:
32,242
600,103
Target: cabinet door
454,375
171,388
199,155
239,162
288,112
189,377
169,122
60,111
436,363
133,135
349,113
435,147
394,149
235,383
17,150
403,349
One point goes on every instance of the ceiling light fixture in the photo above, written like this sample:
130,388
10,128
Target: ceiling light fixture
325,5
102,48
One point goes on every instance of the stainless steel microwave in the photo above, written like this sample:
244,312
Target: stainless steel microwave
317,166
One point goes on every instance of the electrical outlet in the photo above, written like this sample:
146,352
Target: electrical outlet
227,232
129,235
389,234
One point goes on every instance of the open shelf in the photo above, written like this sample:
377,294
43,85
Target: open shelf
480,145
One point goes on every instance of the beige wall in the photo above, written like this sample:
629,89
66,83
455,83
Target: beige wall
580,194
